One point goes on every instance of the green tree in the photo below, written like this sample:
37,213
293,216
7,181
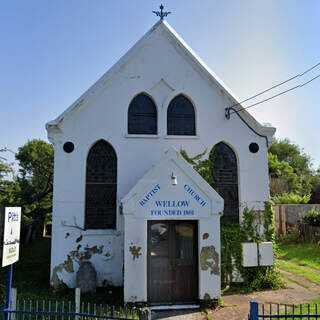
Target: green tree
283,179
5,170
291,168
34,183
293,155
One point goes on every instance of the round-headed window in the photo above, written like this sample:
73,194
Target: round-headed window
142,115
181,117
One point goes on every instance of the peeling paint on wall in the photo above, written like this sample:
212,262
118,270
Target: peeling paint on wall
74,256
67,235
205,236
209,259
79,239
86,254
135,251
108,256
67,265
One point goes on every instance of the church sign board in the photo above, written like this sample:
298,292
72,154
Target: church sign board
168,206
163,201
11,235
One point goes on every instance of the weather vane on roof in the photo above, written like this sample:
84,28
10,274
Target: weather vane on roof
161,13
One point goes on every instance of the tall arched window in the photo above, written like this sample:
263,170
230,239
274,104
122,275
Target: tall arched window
142,115
181,117
225,180
101,187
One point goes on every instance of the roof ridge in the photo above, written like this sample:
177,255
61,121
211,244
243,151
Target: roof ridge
251,122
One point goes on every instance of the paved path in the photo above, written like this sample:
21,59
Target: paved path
299,290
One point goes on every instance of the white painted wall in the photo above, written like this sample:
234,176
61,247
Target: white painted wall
160,68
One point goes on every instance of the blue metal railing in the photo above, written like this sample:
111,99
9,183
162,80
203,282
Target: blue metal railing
283,312
60,310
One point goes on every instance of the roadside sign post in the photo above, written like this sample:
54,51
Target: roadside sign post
9,284
11,245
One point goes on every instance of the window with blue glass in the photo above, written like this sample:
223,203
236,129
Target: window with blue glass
142,115
181,117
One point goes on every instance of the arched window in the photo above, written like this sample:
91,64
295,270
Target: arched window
225,180
142,115
181,117
101,187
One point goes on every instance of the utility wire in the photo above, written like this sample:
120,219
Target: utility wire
278,85
274,96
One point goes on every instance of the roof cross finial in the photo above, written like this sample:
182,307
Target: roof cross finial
161,13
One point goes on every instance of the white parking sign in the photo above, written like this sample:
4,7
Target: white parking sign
11,236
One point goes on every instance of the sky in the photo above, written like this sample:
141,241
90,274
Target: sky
52,51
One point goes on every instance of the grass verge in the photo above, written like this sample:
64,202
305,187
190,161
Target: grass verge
307,308
304,254
300,271
299,283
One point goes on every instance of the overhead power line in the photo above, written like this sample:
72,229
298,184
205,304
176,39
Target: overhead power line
274,96
278,85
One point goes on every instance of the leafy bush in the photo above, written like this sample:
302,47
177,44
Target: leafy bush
292,236
312,218
291,198
232,235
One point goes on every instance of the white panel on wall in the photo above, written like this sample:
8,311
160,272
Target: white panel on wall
250,254
266,253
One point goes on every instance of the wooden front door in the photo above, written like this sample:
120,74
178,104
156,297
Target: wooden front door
172,262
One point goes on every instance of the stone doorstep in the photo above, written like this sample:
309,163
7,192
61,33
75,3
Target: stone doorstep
174,307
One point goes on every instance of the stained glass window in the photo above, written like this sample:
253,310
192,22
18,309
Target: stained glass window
225,180
142,115
181,117
101,187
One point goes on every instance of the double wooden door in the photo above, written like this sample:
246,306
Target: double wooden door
172,262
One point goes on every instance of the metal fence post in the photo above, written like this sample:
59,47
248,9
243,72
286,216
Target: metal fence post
254,310
3,306
13,303
9,284
77,303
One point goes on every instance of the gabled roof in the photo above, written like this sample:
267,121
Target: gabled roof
171,158
177,41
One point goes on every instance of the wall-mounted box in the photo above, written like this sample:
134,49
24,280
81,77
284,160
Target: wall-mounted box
266,254
250,254
257,254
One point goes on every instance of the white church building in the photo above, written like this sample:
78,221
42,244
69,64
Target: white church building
124,197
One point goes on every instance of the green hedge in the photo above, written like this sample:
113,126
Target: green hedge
312,218
291,198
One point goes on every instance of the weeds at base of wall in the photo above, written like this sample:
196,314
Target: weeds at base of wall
206,305
232,235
